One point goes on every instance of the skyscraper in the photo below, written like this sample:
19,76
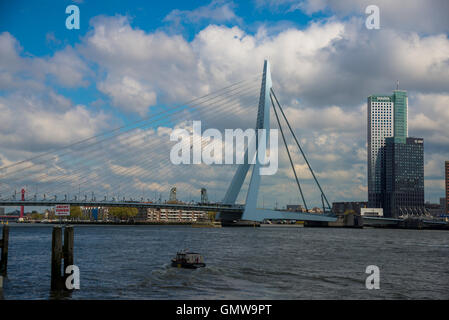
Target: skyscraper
403,177
446,164
387,117
400,104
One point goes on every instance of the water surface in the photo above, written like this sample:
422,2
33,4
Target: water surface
132,262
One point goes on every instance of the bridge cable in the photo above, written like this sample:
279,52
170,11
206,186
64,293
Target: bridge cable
90,174
116,129
288,152
133,138
119,171
300,148
130,169
107,138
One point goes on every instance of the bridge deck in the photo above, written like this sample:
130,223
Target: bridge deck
238,209
50,203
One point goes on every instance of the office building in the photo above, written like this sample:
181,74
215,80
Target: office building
443,205
387,117
446,165
380,126
403,177
170,215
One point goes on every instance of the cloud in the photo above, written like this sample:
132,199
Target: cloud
18,69
34,116
322,75
27,123
428,117
217,11
417,15
128,94
51,39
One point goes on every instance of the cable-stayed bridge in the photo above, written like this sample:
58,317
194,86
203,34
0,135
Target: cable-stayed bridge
123,162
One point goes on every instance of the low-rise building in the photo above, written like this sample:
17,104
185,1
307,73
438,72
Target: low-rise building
339,208
372,212
170,215
95,213
295,208
316,210
434,209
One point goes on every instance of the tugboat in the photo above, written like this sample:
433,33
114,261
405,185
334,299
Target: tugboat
189,260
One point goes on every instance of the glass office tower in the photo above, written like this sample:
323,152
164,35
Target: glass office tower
400,102
380,126
387,117
403,177
446,166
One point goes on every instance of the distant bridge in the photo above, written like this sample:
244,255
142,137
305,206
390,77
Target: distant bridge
234,211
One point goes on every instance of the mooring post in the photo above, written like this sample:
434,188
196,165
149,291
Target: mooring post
4,247
56,257
68,250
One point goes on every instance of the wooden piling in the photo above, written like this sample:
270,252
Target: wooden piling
60,251
56,257
4,256
68,251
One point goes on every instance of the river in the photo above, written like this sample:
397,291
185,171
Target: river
133,262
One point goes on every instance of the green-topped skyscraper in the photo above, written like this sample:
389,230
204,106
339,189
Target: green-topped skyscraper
387,122
387,117
400,105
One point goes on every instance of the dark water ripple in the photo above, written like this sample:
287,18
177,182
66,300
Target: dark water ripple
132,262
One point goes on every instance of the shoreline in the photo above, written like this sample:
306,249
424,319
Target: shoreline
219,225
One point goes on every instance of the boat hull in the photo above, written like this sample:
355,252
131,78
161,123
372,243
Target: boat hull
187,265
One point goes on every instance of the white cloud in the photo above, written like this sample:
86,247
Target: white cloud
27,123
414,15
216,11
322,75
129,94
65,67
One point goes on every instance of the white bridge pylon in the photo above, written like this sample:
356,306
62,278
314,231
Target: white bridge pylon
251,212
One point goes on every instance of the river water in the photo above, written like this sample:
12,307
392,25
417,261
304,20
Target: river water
133,262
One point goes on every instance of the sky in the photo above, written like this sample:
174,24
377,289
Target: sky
131,60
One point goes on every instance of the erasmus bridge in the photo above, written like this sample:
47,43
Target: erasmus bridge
57,177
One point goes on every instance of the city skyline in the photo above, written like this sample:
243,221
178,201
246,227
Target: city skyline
66,85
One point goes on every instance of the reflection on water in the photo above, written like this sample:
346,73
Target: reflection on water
133,262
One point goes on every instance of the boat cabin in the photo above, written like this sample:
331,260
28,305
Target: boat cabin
189,257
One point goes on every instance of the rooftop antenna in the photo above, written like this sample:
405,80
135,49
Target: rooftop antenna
397,84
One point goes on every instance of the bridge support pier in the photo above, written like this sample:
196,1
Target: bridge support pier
4,248
59,252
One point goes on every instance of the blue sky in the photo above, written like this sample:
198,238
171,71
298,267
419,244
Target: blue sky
40,26
132,59
30,21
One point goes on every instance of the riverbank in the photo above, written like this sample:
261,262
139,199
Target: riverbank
123,223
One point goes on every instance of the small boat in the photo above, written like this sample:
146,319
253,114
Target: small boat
189,260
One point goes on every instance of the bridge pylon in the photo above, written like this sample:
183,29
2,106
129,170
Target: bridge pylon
251,212
263,122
